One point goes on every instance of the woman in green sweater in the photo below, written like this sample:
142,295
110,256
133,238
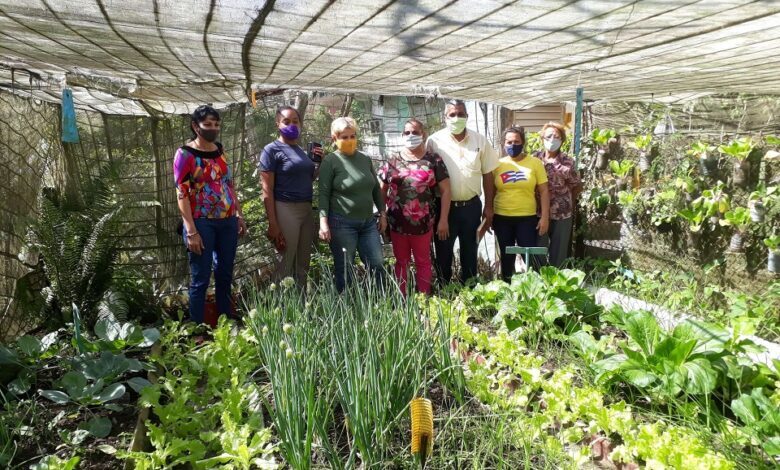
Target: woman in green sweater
349,191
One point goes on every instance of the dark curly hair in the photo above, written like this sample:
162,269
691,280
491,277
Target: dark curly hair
200,114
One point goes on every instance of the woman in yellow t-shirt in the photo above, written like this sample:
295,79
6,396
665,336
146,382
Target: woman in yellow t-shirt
518,178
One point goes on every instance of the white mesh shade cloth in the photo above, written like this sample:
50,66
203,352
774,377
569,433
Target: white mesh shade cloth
138,57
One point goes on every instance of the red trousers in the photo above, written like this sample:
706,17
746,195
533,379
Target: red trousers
419,246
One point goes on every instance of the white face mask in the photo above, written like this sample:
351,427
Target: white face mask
552,145
456,125
412,141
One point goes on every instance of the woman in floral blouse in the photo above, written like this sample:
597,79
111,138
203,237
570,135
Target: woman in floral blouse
564,183
210,212
409,180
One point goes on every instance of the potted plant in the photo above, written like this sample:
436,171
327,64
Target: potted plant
621,170
644,144
760,199
773,260
739,150
714,201
739,218
603,138
631,205
663,209
696,217
599,200
687,185
708,160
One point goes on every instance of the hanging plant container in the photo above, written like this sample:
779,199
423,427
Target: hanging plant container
709,165
741,173
737,242
773,261
602,159
757,211
645,160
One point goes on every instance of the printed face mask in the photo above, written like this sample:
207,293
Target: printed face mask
290,132
552,144
514,150
346,146
209,135
412,141
456,125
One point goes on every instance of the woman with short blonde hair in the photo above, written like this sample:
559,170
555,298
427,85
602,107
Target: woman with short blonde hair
349,191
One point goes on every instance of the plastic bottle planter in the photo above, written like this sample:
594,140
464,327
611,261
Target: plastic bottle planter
602,159
737,242
773,261
741,173
422,427
709,165
645,160
757,211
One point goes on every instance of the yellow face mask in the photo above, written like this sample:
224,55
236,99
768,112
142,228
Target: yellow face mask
346,146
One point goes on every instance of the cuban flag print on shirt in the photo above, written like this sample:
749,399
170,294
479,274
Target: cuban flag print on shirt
514,176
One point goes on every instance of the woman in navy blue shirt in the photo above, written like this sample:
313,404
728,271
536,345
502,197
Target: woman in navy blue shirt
287,175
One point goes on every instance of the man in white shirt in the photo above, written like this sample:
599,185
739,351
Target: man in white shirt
470,160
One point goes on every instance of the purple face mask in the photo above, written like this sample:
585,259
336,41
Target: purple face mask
290,132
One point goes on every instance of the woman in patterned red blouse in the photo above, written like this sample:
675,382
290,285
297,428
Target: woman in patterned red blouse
409,180
564,183
210,211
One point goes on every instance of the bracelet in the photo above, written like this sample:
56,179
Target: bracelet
192,234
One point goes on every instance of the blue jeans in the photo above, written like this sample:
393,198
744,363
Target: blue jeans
346,236
220,239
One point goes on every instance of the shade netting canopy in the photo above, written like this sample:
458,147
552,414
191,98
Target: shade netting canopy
143,57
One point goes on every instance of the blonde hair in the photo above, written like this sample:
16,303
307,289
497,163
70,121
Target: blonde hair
341,124
557,126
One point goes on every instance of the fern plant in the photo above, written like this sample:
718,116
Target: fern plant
78,238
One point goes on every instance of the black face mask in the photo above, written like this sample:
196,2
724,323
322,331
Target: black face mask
209,135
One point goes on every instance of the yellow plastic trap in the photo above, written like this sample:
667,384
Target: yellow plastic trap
422,426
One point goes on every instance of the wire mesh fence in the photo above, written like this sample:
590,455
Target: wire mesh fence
653,234
142,149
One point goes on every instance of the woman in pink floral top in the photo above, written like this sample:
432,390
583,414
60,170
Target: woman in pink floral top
564,183
408,181
210,211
